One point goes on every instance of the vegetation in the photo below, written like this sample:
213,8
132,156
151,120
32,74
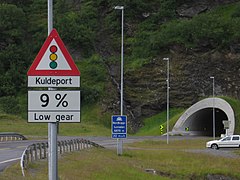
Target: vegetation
84,24
235,104
91,31
93,123
208,31
177,162
152,124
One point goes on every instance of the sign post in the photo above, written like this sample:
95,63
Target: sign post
53,67
52,127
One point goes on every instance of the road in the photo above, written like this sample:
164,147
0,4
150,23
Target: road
11,151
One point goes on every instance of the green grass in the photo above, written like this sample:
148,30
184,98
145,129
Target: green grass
11,123
170,161
173,144
152,124
92,123
235,104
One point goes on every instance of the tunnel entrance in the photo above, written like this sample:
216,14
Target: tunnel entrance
201,122
198,119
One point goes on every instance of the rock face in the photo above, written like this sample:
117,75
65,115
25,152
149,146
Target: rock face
193,7
190,71
145,89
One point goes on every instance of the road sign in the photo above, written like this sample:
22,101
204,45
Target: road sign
119,126
226,124
161,128
55,61
53,81
53,106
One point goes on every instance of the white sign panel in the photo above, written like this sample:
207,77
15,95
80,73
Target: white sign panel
53,106
63,117
54,81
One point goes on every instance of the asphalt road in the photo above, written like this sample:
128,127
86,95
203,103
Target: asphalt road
11,151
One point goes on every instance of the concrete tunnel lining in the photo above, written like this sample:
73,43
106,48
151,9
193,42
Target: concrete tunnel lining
198,118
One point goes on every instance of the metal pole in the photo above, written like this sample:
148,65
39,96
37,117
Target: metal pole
50,16
53,174
168,87
52,127
120,142
213,93
214,128
122,65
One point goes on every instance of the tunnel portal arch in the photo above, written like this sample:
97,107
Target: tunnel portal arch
197,119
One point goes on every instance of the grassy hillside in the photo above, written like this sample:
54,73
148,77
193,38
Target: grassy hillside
91,31
152,124
235,104
92,123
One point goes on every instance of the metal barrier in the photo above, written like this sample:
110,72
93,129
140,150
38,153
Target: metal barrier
39,151
11,136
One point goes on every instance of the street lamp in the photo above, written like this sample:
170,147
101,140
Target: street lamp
120,145
213,115
122,9
168,87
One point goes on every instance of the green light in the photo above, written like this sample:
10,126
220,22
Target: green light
53,64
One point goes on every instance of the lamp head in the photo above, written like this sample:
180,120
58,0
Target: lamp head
119,7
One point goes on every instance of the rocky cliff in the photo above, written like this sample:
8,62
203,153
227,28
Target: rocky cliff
190,71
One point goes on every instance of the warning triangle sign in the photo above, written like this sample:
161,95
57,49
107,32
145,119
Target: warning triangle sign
53,59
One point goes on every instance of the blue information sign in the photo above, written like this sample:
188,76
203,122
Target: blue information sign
119,126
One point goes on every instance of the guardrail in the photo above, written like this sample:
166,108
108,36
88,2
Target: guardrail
39,151
11,136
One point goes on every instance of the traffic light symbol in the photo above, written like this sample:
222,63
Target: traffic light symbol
53,57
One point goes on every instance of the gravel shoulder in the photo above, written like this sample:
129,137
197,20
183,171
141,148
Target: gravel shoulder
224,152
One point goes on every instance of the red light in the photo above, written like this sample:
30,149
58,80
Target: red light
53,48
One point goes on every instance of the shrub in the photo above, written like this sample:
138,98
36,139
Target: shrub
10,105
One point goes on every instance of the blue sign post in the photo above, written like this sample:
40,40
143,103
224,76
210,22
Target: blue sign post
119,127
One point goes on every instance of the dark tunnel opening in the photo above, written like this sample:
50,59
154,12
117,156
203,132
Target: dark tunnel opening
201,122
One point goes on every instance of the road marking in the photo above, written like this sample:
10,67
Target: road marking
21,146
2,162
2,149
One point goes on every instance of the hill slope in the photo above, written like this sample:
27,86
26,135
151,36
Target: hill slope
201,38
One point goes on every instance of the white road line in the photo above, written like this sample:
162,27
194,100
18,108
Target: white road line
9,160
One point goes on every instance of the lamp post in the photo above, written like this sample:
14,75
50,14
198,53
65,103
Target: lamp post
119,148
168,87
122,9
213,115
